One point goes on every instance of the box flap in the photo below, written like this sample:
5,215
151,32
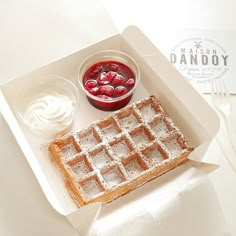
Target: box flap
35,33
149,199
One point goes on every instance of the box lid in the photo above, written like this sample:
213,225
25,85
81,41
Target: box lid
35,33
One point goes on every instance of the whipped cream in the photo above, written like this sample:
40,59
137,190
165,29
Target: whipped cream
49,114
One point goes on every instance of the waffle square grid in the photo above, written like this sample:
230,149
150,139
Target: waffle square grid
117,154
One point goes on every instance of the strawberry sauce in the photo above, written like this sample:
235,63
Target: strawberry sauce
108,81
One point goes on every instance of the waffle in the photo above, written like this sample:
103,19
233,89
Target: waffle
119,153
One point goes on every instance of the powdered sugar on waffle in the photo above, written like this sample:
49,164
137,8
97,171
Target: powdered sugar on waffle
119,153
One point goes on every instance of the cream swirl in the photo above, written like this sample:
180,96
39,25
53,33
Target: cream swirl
50,114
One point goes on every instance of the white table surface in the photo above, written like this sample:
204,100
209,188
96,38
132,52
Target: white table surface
24,213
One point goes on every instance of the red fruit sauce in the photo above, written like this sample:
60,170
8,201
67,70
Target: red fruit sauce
108,81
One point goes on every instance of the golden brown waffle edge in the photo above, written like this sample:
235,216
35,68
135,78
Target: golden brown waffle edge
121,152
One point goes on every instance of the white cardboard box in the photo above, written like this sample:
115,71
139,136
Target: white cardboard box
187,108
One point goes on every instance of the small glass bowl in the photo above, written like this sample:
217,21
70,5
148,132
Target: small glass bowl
47,105
102,59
